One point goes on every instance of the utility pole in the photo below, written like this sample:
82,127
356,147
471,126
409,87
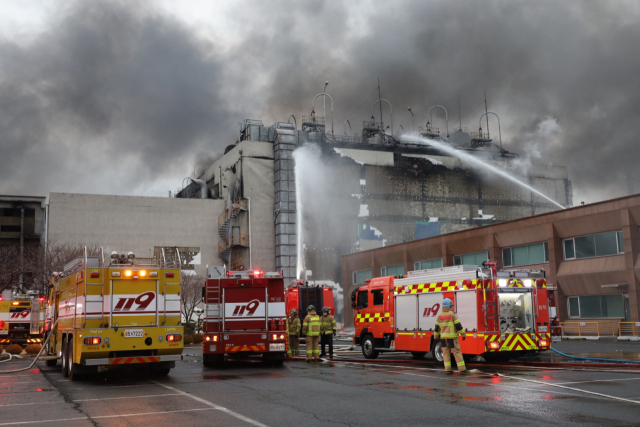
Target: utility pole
380,99
459,114
486,110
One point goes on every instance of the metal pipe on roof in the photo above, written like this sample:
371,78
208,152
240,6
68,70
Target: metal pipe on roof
203,187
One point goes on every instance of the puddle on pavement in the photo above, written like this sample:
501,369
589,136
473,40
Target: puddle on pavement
436,391
227,377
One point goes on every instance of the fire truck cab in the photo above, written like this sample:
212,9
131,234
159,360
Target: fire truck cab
21,318
301,295
504,313
244,316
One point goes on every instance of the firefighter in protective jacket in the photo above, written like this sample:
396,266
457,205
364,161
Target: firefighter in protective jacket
294,334
311,328
328,331
447,327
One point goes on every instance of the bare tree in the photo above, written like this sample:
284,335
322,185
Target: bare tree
191,294
38,263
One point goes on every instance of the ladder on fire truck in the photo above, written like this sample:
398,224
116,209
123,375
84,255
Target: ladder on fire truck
213,305
455,273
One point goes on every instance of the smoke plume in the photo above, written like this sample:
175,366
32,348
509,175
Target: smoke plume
118,96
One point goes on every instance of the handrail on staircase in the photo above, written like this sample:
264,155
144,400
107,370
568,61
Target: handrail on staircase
231,211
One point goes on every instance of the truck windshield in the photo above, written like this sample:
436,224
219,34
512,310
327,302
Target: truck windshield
516,312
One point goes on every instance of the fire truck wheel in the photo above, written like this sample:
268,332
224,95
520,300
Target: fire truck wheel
213,360
161,372
436,353
368,348
72,368
418,354
65,361
53,362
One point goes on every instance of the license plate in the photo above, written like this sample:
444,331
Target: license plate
4,332
556,338
276,347
542,329
133,333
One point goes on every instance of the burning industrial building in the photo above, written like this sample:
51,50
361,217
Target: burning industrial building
297,199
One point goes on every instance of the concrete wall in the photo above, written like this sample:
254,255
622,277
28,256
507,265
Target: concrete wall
138,224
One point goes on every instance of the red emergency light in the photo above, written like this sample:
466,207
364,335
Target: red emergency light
169,274
494,345
95,274
543,343
174,337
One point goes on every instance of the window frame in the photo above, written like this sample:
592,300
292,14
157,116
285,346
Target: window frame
417,266
602,298
383,270
545,250
618,234
469,253
354,276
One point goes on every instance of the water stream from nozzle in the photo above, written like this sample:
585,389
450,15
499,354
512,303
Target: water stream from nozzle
468,158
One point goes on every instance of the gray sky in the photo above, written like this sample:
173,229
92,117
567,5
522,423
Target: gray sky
125,97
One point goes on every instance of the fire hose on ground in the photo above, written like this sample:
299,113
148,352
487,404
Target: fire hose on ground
35,359
595,358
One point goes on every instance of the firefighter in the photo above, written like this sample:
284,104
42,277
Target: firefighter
447,327
328,331
311,328
294,334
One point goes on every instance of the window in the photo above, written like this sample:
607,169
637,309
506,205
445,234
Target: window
359,277
10,228
602,244
393,270
378,296
430,263
476,258
363,300
596,306
536,253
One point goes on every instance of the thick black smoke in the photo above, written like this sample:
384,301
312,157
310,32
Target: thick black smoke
118,96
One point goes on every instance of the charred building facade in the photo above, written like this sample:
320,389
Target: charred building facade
357,193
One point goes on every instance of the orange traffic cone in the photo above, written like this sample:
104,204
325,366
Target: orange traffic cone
341,326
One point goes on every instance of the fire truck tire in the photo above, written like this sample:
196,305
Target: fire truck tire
418,354
368,348
436,353
65,360
50,363
161,372
72,368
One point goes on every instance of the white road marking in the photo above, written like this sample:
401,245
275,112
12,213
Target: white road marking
89,400
600,381
104,416
213,405
570,388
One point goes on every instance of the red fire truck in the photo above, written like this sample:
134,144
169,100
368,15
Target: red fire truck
301,295
245,316
505,313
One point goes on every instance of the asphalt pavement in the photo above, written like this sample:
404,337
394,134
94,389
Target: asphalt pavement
334,392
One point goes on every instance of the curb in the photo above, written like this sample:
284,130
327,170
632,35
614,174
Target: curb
581,338
628,338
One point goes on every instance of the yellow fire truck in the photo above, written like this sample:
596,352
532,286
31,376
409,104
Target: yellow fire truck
123,312
21,318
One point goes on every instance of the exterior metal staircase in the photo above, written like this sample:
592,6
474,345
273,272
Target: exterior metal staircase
227,241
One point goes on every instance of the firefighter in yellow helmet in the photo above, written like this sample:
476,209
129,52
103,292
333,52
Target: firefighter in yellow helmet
447,327
311,328
328,331
294,334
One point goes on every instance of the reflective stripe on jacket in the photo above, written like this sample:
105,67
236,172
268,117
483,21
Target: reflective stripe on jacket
311,325
447,325
294,326
328,325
